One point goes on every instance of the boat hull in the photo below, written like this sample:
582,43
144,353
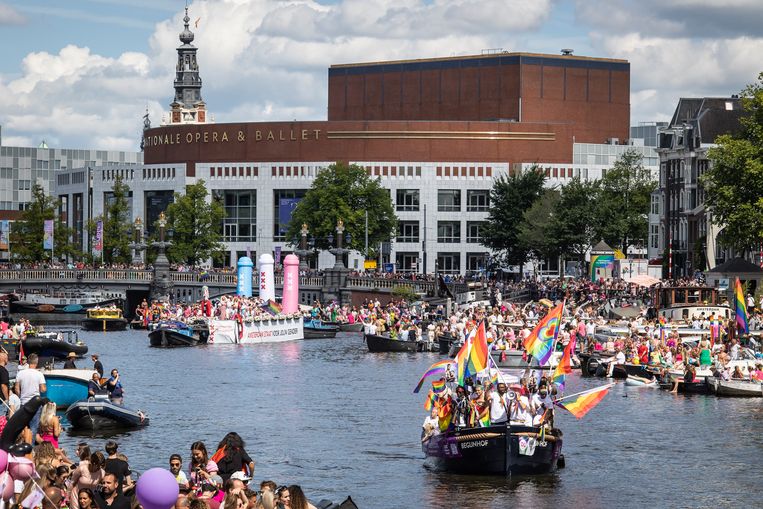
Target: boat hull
48,347
494,450
22,306
102,414
444,341
67,386
377,343
735,388
320,332
104,324
170,338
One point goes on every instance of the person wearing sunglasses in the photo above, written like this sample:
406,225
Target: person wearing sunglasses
176,467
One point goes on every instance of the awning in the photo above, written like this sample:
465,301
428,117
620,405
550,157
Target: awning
642,280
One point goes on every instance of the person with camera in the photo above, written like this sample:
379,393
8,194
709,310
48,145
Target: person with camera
108,495
116,391
202,468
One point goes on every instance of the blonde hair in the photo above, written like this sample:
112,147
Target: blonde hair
44,453
48,416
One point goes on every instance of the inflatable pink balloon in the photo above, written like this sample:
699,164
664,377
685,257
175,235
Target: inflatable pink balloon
21,469
8,490
157,489
3,460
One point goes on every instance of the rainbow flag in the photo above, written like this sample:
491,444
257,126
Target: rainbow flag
540,342
478,354
740,309
661,325
485,421
438,368
564,367
272,307
585,401
462,361
430,401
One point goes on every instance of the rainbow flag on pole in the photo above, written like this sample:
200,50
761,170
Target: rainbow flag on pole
583,402
479,352
438,368
540,342
740,309
564,367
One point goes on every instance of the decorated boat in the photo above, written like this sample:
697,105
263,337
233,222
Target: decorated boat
56,344
174,333
382,343
683,303
735,388
346,326
65,302
66,386
316,329
495,450
99,413
104,319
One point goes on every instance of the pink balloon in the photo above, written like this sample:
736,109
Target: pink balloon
3,460
21,469
157,489
8,491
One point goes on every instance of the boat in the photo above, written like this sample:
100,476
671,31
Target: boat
316,329
100,413
104,319
495,450
346,326
683,303
66,386
65,302
381,343
174,333
56,344
444,342
735,388
697,387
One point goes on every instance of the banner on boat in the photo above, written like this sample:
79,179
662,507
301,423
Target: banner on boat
265,331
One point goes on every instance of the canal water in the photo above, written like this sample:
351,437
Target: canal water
339,421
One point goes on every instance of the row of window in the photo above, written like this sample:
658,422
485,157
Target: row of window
448,200
448,232
447,263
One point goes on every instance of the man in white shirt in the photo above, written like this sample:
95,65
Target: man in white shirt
521,412
498,405
30,383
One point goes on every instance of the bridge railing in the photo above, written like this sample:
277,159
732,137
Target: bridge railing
73,275
388,284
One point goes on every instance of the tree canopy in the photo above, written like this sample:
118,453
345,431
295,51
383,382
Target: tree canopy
196,226
510,197
344,192
576,223
624,200
734,182
536,236
26,235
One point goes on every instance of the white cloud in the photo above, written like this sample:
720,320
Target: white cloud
10,16
17,141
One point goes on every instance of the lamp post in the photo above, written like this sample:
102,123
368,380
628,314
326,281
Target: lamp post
338,252
137,245
303,252
161,286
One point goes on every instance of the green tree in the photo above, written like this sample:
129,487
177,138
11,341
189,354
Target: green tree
195,224
734,182
344,192
26,235
117,228
510,197
625,198
535,231
576,222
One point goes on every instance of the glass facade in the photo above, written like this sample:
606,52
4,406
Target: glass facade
449,263
449,200
477,200
155,202
474,231
281,199
407,200
240,222
406,261
407,231
448,232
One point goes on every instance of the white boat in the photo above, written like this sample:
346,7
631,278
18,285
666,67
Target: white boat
736,388
637,381
683,303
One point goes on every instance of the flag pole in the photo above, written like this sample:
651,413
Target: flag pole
606,386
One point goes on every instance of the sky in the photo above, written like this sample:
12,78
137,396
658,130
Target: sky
82,73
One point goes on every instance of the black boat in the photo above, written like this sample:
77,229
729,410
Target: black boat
54,344
100,413
316,329
495,450
378,343
590,362
444,342
171,333
699,387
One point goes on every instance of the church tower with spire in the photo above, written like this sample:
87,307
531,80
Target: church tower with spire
188,107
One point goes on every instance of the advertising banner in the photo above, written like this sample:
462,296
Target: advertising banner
47,239
286,208
223,332
99,236
5,232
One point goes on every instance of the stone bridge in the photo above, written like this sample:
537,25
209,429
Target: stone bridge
187,286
